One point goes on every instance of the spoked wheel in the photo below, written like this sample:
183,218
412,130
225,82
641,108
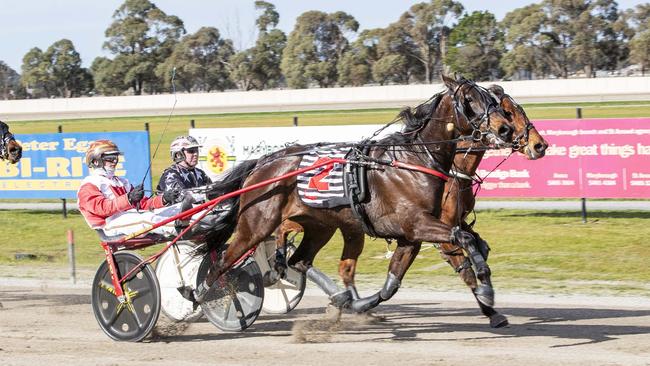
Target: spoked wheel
134,318
281,295
234,301
173,304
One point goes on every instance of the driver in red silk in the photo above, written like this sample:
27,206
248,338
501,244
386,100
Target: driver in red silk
111,203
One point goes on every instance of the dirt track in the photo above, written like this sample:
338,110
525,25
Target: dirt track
44,324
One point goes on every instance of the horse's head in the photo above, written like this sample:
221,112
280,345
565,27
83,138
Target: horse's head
10,149
476,110
527,140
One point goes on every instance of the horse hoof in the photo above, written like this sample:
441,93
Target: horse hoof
485,294
341,299
498,321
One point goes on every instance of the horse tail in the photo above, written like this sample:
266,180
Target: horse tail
233,180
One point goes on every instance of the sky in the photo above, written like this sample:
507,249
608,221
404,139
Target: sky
25,24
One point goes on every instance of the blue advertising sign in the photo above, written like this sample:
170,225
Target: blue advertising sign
53,164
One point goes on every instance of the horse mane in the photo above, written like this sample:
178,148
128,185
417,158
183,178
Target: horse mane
414,119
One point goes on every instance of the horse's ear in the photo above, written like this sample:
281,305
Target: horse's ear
496,90
449,82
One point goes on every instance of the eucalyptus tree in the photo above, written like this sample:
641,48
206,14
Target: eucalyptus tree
428,26
34,77
57,72
109,76
141,37
314,48
9,82
640,43
259,66
522,29
199,60
64,71
396,56
355,67
475,47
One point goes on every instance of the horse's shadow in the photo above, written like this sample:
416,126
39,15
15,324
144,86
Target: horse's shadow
410,322
413,322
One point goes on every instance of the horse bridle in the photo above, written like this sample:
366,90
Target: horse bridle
477,134
5,138
525,134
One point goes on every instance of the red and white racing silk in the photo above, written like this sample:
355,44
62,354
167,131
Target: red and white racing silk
102,195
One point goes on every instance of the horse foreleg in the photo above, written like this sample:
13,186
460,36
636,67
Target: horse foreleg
454,255
400,262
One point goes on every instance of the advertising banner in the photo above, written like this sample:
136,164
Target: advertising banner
590,158
53,164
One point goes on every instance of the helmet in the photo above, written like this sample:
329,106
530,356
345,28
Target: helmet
181,143
97,150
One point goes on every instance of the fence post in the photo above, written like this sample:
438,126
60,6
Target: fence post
192,123
146,126
295,120
63,200
583,199
71,259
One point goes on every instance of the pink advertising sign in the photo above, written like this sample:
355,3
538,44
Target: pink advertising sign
590,158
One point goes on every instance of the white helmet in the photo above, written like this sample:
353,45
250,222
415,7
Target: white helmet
181,143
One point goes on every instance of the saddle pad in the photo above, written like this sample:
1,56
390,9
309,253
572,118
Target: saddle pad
322,187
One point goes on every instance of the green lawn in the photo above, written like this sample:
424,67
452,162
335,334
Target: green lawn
530,250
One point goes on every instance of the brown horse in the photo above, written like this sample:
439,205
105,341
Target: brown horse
403,204
10,149
458,203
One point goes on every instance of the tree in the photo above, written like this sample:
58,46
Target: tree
428,26
522,28
34,74
640,44
64,72
9,82
109,76
57,72
259,66
315,47
476,45
200,62
141,37
355,67
397,56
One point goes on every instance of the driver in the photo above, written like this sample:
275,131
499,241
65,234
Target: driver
111,204
183,173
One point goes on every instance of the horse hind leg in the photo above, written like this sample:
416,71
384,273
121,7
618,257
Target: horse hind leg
313,240
400,262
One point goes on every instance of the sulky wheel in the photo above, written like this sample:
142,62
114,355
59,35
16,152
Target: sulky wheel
133,319
234,301
281,295
173,304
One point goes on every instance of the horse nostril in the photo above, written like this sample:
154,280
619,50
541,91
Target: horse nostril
540,148
505,132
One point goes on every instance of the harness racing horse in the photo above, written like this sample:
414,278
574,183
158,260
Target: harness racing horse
10,149
459,203
404,203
